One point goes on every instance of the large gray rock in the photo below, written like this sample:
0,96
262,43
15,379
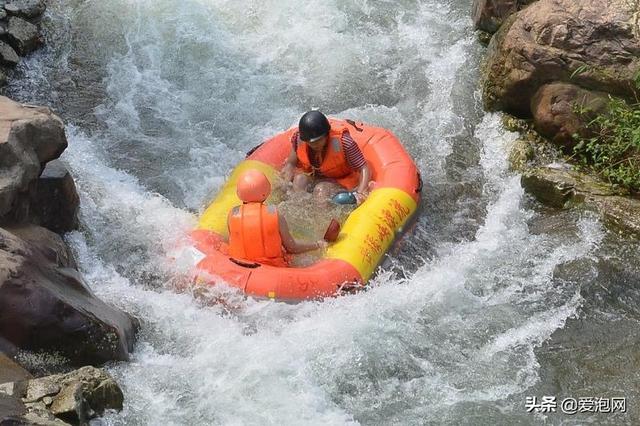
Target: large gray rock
29,138
592,43
8,56
562,110
26,8
45,306
23,36
55,202
11,410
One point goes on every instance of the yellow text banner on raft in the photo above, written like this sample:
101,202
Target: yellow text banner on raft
370,229
214,217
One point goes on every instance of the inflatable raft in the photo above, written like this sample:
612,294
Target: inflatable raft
365,236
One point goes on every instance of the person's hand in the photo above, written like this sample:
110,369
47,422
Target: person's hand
322,245
287,174
360,197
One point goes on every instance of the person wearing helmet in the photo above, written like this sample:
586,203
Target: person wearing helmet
329,158
257,232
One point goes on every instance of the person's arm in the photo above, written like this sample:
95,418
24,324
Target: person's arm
289,166
292,160
293,246
363,184
356,161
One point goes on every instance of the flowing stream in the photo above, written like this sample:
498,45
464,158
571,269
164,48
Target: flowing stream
490,300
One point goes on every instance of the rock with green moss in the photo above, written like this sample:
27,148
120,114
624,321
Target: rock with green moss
551,186
484,37
620,213
530,149
520,155
560,187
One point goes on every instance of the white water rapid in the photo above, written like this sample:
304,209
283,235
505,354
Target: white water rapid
162,98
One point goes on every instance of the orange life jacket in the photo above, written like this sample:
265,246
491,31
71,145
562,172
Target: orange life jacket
254,234
334,162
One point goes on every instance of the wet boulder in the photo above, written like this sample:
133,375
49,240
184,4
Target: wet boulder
54,201
11,410
8,56
488,15
46,242
11,407
46,306
25,8
29,138
561,187
594,44
621,213
562,110
10,371
23,36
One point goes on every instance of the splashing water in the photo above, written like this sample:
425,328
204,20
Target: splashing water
164,97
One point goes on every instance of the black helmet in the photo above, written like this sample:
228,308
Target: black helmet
313,124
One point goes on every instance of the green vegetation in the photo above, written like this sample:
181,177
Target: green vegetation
613,148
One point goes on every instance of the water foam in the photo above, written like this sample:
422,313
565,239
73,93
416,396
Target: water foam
187,90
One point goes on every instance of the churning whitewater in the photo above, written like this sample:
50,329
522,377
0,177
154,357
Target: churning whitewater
163,98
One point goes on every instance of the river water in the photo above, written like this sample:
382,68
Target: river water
492,298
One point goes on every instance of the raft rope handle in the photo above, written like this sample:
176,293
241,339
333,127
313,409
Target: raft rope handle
245,264
353,123
252,150
349,287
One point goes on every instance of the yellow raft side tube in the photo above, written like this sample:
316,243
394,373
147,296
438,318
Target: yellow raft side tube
370,229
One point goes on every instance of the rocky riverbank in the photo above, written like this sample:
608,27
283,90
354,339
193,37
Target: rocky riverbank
546,61
46,307
19,32
56,400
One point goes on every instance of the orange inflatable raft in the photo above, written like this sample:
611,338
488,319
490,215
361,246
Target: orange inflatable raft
365,236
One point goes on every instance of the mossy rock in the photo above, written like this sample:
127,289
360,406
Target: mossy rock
520,155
